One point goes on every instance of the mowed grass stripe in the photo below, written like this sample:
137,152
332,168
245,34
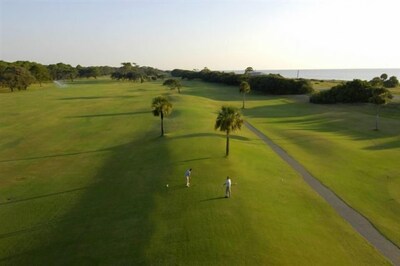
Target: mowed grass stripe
124,214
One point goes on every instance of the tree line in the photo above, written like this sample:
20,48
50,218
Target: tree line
20,75
270,84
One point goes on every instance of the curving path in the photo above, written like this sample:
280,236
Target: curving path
357,221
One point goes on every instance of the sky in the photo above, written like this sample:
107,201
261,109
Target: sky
193,34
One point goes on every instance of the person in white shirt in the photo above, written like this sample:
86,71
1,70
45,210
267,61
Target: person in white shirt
187,176
228,184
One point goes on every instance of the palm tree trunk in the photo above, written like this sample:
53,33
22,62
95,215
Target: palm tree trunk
227,144
162,124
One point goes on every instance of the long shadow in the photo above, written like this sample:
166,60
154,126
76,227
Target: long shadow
90,81
196,135
42,196
395,144
196,159
22,231
110,114
57,155
175,187
96,97
111,222
285,109
216,198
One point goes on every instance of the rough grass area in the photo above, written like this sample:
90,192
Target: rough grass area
84,172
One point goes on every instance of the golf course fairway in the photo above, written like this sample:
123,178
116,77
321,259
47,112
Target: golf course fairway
84,173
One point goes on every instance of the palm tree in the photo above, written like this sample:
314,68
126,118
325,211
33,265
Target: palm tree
161,107
229,120
384,76
248,70
244,88
380,96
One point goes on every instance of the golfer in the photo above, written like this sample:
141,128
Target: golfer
187,176
228,184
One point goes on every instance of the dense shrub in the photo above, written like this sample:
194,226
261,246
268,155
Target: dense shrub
15,77
271,84
276,84
169,82
173,84
185,74
376,82
392,82
356,91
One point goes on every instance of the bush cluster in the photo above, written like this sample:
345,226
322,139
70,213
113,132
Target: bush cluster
276,84
383,81
356,91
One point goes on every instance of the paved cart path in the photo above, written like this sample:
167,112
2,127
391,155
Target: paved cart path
359,222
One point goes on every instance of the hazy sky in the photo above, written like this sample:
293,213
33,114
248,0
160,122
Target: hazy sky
222,35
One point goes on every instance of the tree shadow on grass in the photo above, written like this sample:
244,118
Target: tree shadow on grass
195,159
175,188
395,144
110,222
101,81
57,155
210,199
110,114
284,109
196,135
13,201
342,120
96,97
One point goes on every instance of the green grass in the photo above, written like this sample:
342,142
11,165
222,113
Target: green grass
396,90
338,145
325,84
83,175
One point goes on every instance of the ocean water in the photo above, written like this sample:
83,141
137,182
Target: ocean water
334,74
